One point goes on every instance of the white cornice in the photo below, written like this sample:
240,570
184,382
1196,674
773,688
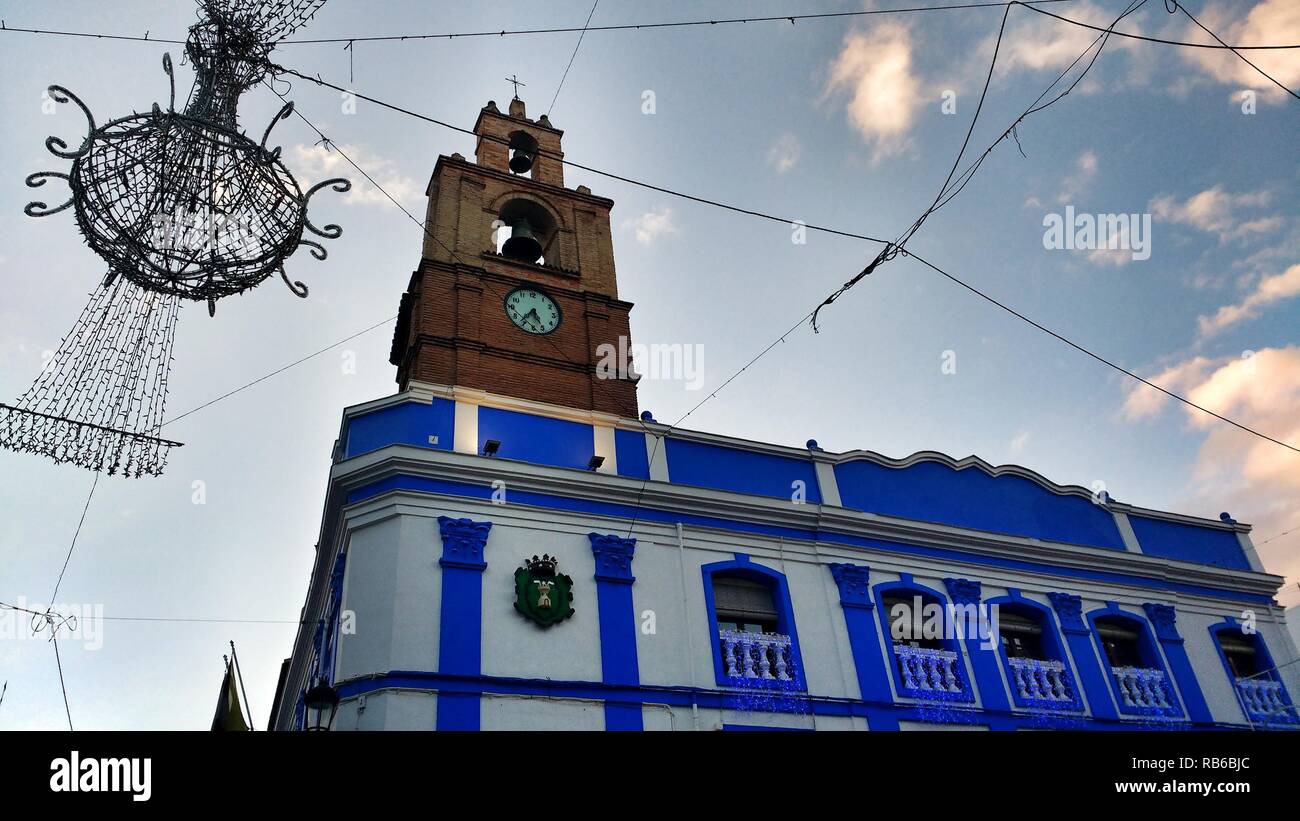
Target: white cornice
763,511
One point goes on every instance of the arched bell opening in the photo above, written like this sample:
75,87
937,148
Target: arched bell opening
523,153
524,232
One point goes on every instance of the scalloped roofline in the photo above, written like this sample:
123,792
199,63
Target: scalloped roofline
425,392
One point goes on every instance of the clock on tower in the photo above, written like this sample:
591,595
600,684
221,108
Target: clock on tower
516,290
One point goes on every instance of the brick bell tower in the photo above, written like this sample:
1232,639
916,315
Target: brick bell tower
523,317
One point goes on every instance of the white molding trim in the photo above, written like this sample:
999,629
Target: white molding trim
602,444
466,428
756,510
656,453
1252,555
1126,532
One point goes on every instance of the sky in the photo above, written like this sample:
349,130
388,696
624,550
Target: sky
850,123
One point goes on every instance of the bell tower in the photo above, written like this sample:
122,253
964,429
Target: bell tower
515,293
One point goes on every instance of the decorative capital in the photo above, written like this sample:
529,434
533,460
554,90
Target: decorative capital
1069,608
852,580
1165,620
963,591
613,555
463,541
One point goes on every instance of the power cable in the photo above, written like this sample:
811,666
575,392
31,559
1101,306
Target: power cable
571,58
779,18
1222,46
1179,7
957,186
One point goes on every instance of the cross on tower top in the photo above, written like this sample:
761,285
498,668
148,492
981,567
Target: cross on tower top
514,79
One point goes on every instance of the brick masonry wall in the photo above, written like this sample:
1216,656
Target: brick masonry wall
457,331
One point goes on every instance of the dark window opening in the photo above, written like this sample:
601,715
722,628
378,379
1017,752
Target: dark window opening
904,621
1022,637
1120,643
1241,654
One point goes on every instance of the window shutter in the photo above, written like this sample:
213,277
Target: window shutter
743,597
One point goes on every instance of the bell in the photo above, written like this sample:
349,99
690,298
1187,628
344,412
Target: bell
521,161
523,244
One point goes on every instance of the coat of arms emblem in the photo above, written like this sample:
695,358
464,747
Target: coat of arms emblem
541,594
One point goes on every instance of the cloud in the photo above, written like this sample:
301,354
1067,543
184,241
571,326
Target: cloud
1042,43
1256,480
875,69
784,153
1269,22
1143,401
1075,184
1268,290
1216,211
312,163
651,225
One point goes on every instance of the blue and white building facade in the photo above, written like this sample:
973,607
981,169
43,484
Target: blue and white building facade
1135,616
719,583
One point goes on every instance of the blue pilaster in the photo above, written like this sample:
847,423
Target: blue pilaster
460,638
618,657
1069,612
1165,621
855,599
964,595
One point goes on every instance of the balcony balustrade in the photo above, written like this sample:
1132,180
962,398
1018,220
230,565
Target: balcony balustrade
1043,680
756,655
927,671
1142,687
1263,700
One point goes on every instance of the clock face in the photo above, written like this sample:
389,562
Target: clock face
532,310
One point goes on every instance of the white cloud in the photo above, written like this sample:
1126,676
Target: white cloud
1216,211
1254,479
784,153
1040,42
312,163
1268,290
875,69
1270,22
1085,170
651,225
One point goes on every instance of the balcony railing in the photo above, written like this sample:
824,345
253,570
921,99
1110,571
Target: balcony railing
1264,701
756,655
1041,680
1142,687
928,671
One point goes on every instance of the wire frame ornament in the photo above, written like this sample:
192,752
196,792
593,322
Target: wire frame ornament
181,205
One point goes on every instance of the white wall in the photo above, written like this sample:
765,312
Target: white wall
393,584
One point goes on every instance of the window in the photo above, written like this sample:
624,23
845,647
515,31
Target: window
751,627
743,605
1022,637
1033,658
1260,691
1138,677
926,656
1243,660
1120,642
906,626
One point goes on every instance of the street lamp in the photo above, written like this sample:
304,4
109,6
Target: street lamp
321,701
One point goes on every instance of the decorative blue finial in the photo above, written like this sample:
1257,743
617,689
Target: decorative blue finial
647,416
812,444
1224,517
